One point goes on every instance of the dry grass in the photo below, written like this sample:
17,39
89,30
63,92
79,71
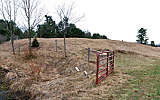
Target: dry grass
56,75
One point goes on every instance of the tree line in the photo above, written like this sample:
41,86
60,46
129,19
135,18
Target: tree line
49,29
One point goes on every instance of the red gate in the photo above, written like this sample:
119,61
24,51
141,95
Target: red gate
105,65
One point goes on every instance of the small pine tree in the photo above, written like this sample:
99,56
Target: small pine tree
35,43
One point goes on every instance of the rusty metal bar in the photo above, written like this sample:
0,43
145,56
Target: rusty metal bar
97,68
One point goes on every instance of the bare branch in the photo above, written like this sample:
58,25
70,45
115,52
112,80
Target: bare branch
16,7
75,20
34,5
2,10
38,18
9,9
33,14
64,11
70,10
59,14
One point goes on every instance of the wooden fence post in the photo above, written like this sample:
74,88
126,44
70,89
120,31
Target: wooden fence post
88,54
56,46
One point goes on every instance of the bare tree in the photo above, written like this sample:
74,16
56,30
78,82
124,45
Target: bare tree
66,15
33,15
9,9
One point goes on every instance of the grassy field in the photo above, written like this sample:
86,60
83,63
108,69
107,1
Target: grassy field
49,75
145,81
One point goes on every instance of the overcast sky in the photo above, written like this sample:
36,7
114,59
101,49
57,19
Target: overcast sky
117,19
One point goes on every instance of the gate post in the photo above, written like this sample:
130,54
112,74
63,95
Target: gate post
97,68
113,61
107,63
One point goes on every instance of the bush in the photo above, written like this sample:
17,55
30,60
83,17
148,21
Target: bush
153,44
96,36
35,43
103,37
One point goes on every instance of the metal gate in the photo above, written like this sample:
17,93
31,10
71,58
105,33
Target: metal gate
105,65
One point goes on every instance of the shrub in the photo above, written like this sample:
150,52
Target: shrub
153,44
35,43
96,36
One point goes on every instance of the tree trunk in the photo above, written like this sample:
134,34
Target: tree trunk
30,48
65,43
29,33
10,27
30,42
141,42
12,43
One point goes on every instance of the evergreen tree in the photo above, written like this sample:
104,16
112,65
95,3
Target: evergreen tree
48,29
142,37
35,43
73,31
5,31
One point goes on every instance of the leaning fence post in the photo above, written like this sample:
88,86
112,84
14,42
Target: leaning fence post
56,46
88,54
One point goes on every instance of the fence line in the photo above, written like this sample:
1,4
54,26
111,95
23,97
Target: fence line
89,53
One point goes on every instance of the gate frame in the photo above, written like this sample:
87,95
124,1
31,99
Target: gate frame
107,64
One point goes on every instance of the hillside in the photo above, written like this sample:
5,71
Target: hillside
48,75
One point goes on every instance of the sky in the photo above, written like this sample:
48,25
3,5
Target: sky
117,19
